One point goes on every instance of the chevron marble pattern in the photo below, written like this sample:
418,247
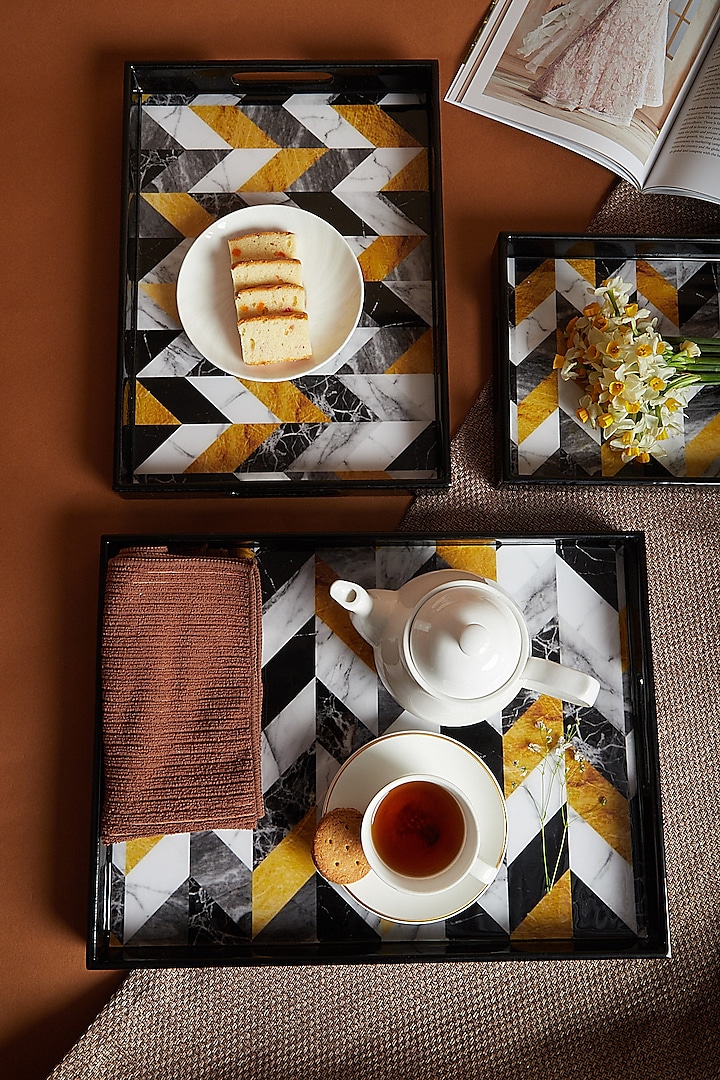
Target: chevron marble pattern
323,701
547,440
361,164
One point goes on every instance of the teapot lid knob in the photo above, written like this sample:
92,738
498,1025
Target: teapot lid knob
465,641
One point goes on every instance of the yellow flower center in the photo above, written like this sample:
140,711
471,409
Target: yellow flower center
600,322
626,438
656,383
672,405
644,456
583,415
605,420
613,349
631,310
616,387
644,349
591,309
558,361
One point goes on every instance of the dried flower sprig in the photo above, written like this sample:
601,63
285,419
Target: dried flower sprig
635,382
554,768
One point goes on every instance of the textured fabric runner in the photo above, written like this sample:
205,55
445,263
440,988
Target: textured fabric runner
544,1020
181,694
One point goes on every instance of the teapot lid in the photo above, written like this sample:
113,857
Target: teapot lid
464,641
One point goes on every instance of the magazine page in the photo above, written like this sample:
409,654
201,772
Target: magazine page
690,158
602,77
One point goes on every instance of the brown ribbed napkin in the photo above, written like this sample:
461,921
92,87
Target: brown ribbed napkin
181,694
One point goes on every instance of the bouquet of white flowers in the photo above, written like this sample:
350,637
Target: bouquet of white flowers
635,382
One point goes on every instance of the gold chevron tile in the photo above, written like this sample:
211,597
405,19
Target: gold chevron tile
231,448
234,127
164,294
136,850
537,406
287,402
375,124
475,558
585,268
658,290
384,254
181,210
413,177
533,289
283,873
611,461
335,617
148,410
518,758
703,449
551,917
599,803
126,403
281,172
419,359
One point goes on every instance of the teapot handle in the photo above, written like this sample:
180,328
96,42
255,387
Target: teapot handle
556,680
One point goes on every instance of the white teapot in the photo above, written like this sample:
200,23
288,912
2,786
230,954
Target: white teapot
453,648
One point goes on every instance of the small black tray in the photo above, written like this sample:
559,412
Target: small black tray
543,281
188,900
358,144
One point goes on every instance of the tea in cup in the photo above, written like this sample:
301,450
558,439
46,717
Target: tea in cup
421,835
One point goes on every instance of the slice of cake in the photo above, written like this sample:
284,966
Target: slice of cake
266,272
271,244
275,339
269,300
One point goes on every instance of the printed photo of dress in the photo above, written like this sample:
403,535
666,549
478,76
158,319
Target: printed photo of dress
612,67
559,26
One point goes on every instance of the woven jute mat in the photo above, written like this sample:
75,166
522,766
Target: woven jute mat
550,1020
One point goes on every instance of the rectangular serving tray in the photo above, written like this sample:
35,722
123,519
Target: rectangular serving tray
543,281
357,144
188,899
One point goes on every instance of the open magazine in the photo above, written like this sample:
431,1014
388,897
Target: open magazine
631,84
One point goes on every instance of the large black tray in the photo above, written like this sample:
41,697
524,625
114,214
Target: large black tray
184,900
358,144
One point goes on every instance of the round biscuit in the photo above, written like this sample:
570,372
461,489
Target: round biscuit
337,850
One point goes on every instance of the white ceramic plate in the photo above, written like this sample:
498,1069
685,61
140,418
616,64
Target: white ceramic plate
331,275
402,752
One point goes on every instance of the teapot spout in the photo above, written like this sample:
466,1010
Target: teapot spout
368,612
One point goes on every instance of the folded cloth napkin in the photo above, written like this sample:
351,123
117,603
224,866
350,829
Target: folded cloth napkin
181,694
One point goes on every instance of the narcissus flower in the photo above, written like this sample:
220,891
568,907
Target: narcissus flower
633,380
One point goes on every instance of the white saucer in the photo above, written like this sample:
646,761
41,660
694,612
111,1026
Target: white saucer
334,290
398,753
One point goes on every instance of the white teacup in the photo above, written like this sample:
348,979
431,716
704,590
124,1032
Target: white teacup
421,835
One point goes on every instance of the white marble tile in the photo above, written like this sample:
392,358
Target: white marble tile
399,98
601,868
395,397
292,732
181,448
269,767
418,295
542,790
118,856
315,113
380,215
590,639
217,99
166,271
186,127
175,361
527,572
572,285
154,879
234,170
233,399
495,900
539,445
240,842
347,677
378,169
326,768
533,330
288,609
358,340
348,447
150,316
397,564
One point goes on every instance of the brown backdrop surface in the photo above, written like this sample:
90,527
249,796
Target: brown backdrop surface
62,93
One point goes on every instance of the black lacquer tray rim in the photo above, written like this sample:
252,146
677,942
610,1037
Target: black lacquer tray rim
654,945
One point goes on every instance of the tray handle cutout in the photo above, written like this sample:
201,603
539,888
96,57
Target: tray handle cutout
284,77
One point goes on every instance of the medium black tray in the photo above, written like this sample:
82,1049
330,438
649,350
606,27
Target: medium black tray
185,900
543,281
358,144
